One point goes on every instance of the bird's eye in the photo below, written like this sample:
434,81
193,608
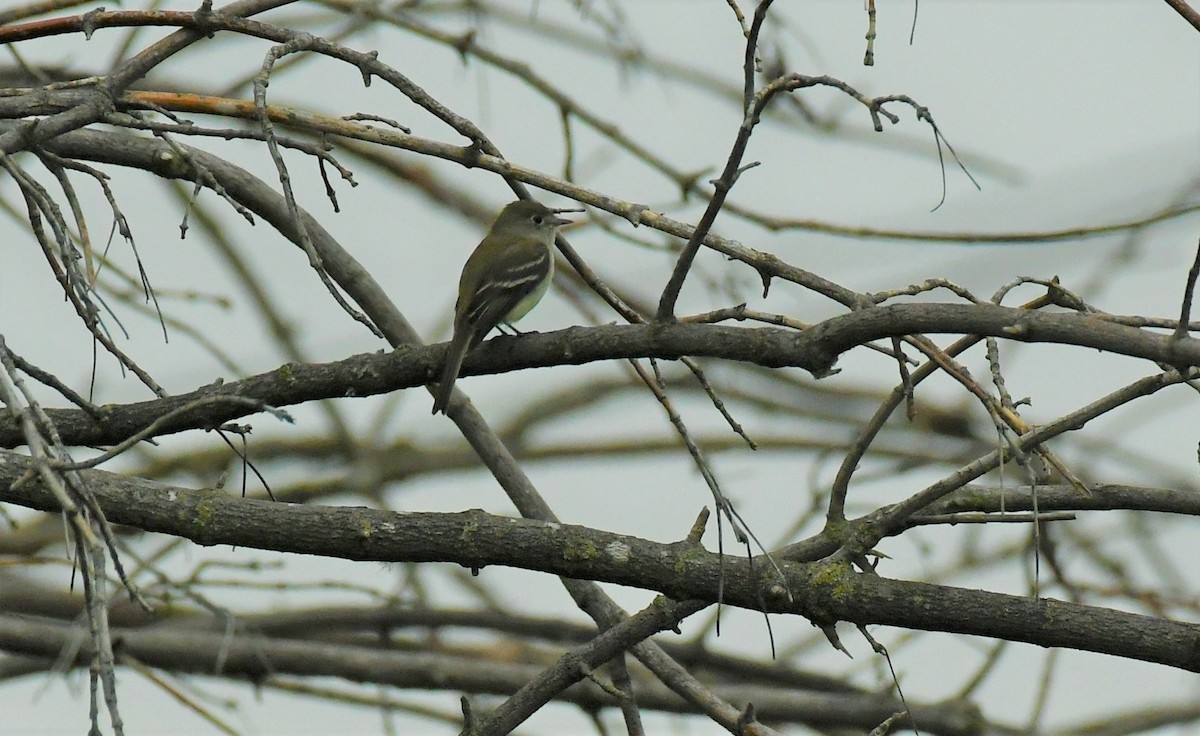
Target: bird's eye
537,219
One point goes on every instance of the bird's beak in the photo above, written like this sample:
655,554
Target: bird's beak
560,221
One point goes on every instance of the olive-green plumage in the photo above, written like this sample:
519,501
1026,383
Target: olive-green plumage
504,278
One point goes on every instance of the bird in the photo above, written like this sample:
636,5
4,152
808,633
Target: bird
506,276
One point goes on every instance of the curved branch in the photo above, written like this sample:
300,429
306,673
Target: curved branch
820,592
815,350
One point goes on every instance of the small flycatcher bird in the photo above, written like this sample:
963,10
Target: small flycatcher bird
504,278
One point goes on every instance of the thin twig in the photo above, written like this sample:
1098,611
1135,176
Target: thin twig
1185,310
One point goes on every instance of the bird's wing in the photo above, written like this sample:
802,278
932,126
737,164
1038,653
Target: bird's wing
510,280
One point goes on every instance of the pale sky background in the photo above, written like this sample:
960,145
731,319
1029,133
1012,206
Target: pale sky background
1068,113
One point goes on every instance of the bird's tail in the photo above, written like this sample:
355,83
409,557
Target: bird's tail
459,347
